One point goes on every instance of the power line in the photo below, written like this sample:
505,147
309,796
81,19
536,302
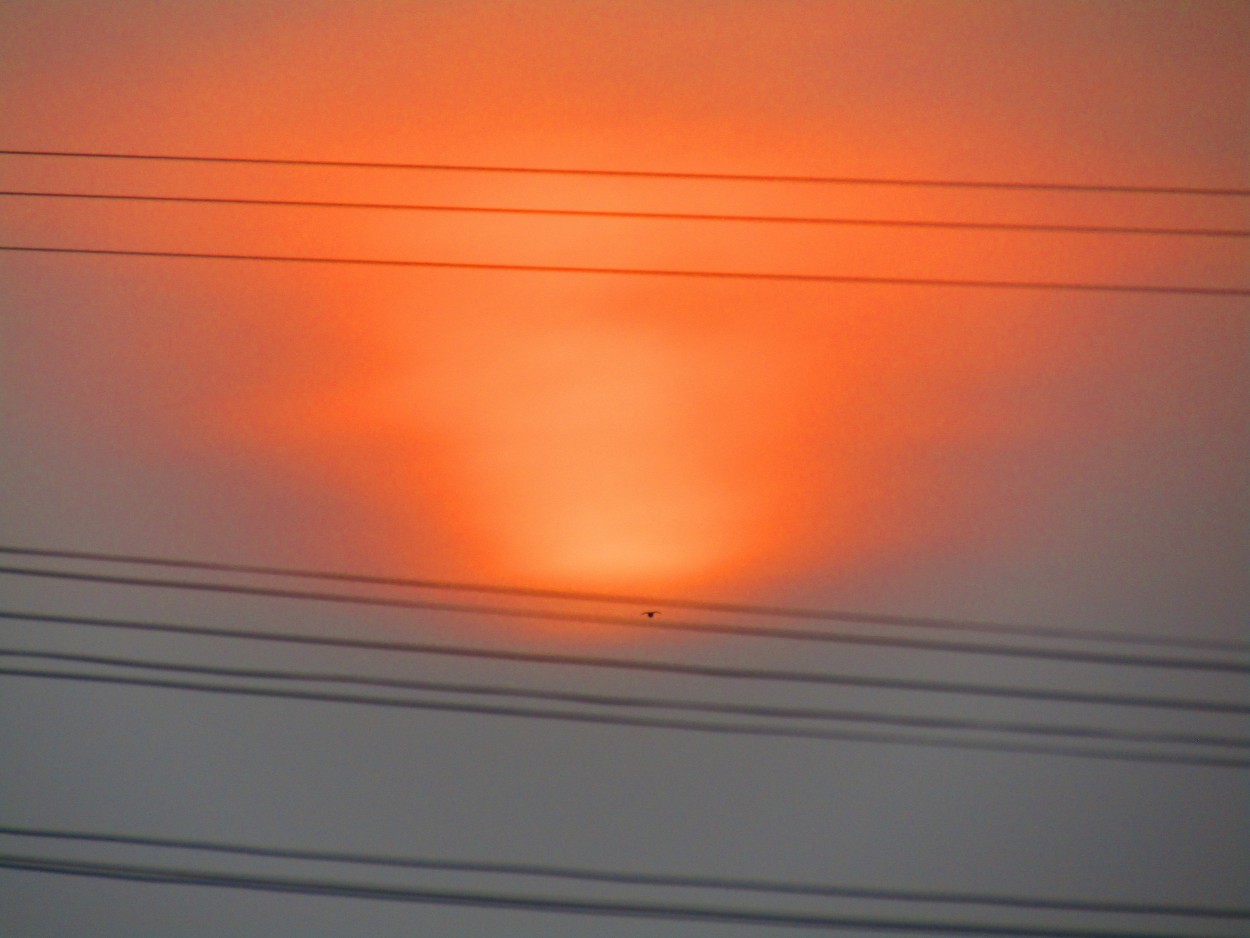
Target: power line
653,723
1233,192
928,623
567,906
650,624
657,216
736,884
1087,733
720,672
1179,290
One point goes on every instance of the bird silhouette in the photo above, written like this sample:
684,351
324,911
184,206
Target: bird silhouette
651,613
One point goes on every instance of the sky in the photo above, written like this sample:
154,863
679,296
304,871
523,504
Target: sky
1033,457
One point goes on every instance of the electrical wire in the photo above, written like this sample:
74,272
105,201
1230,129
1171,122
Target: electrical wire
927,623
655,723
580,874
533,903
1159,289
1036,227
1087,733
721,672
664,625
1226,191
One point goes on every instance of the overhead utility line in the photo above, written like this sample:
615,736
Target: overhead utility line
655,216
669,602
641,722
718,672
846,279
534,903
617,701
617,877
1235,192
660,625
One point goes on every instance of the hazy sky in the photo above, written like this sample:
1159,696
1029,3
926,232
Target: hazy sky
1032,457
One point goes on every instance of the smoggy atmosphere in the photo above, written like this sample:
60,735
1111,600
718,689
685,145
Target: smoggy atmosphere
901,345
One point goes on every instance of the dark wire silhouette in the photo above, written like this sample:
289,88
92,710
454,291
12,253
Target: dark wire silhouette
663,625
721,672
653,723
734,884
938,224
1226,191
1158,289
567,906
1086,733
929,624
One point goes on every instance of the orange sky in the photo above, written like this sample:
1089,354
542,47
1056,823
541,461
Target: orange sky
628,433
1053,462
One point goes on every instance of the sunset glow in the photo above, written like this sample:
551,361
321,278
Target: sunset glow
659,468
603,431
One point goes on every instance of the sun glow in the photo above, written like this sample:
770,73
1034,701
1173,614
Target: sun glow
577,430
591,448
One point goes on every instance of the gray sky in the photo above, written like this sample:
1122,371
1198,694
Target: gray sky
1028,457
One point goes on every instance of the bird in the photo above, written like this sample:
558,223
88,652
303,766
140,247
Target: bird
651,613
